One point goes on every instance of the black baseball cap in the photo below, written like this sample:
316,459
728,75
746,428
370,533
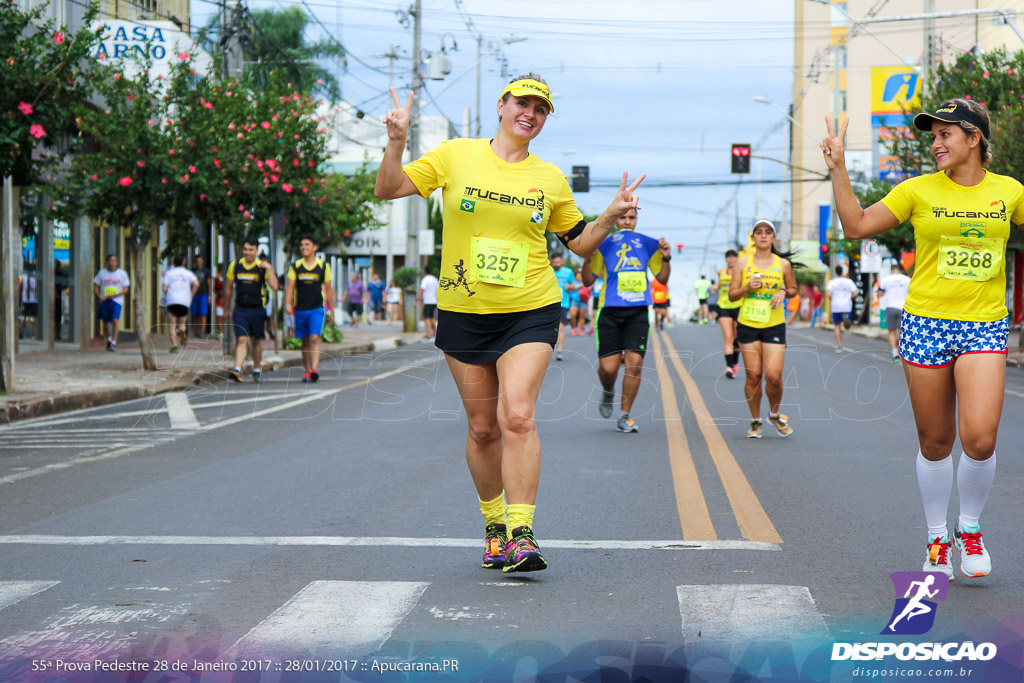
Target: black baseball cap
951,112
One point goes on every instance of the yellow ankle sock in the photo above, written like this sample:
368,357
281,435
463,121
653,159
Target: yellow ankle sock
494,511
520,515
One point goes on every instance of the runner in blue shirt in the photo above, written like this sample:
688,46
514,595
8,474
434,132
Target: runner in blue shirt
623,321
567,281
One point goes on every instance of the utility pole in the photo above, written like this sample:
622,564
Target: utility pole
479,67
412,251
929,43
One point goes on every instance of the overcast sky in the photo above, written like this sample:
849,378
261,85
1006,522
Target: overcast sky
661,87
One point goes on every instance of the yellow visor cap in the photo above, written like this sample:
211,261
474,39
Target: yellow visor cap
528,86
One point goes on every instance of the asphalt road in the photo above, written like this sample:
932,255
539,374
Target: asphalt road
335,523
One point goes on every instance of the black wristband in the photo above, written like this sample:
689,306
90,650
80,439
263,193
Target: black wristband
666,259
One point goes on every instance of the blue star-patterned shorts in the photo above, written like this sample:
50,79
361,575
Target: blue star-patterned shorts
935,342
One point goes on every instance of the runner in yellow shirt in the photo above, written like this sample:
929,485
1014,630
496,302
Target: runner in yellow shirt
954,327
499,303
760,283
728,313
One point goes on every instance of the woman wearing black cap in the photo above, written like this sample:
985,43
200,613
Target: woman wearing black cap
954,327
499,303
761,282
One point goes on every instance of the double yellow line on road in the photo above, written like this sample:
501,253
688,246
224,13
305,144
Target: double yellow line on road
696,521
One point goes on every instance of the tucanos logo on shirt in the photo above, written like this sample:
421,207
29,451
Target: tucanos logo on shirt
532,202
468,206
992,212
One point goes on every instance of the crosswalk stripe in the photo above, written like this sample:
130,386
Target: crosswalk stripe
180,412
344,617
750,515
12,592
737,613
374,541
690,501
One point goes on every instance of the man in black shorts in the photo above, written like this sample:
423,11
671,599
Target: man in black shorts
246,277
623,322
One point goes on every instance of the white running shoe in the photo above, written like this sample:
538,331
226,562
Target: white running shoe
938,557
974,559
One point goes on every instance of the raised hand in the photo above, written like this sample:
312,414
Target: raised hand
664,247
397,119
625,199
832,145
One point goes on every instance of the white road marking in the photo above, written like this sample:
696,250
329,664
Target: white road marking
127,450
350,617
736,613
16,591
180,411
383,541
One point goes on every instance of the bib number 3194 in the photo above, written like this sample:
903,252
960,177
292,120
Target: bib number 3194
970,258
756,310
498,262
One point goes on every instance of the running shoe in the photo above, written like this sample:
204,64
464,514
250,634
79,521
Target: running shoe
590,331
314,376
112,346
494,546
306,379
895,359
182,338
627,425
839,349
781,423
257,377
606,403
236,374
938,557
755,430
572,332
109,344
974,559
558,355
522,553
173,349
730,373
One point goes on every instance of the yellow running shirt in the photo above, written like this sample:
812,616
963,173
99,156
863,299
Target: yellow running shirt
494,256
756,308
724,280
961,234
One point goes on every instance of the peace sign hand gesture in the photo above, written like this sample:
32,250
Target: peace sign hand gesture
397,119
832,145
624,198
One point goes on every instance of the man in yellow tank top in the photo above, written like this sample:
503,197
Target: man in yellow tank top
728,313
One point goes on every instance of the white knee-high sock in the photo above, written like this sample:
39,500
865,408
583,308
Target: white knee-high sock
936,482
973,482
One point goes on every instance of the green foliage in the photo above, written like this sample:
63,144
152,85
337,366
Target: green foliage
292,344
44,69
279,45
243,154
407,278
332,333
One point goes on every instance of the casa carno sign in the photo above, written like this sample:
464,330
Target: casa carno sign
130,42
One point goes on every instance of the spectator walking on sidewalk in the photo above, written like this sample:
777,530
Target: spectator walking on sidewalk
180,286
428,297
201,301
896,287
245,279
353,297
110,286
309,286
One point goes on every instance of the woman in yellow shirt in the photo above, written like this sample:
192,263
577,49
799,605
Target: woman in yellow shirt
728,314
954,327
761,282
499,303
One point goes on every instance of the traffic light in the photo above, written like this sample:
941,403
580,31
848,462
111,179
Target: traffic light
581,179
740,158
679,248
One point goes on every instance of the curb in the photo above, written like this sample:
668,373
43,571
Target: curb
49,405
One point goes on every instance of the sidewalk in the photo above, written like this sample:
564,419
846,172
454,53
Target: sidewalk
1014,358
69,378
